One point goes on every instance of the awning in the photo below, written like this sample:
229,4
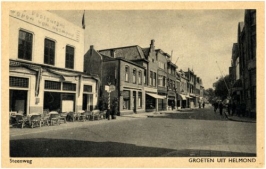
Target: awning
188,96
156,96
183,96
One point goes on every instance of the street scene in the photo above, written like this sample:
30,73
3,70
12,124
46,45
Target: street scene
190,133
133,83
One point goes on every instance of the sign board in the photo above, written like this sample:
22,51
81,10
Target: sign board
106,87
111,88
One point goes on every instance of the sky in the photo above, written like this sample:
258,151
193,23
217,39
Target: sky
201,40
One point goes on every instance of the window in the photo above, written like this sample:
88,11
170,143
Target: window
69,57
154,79
69,86
151,77
87,88
18,82
52,85
164,81
160,80
126,73
139,99
139,77
126,99
25,45
134,75
144,77
49,51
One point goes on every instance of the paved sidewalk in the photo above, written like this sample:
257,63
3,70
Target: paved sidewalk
242,119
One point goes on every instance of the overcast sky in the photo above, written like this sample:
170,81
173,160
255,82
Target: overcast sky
198,38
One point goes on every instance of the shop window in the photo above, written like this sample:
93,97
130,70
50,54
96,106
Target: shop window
126,100
25,45
139,99
69,57
49,52
52,85
18,82
87,88
69,86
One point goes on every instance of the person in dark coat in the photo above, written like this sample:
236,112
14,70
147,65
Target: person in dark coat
233,108
215,105
221,106
203,105
229,108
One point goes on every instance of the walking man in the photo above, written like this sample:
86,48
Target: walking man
221,106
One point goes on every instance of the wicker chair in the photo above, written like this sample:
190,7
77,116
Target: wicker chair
36,120
54,118
71,116
20,120
102,114
81,115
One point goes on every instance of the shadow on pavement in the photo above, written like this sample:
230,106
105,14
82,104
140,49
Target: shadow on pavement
74,148
198,115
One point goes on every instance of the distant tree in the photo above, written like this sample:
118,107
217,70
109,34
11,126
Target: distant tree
221,89
209,94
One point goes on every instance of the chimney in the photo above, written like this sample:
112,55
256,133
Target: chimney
152,43
91,48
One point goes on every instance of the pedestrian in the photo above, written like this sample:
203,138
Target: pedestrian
229,108
233,108
199,104
221,106
215,106
203,105
173,105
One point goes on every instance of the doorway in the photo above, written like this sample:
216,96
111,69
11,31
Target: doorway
18,100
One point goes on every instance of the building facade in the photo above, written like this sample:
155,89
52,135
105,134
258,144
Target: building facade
244,88
46,65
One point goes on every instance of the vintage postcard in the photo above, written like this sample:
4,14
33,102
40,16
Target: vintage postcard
133,84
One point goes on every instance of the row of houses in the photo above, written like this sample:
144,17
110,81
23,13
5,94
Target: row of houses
243,66
48,70
145,79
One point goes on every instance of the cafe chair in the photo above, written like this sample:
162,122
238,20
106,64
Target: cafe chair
20,120
35,120
54,118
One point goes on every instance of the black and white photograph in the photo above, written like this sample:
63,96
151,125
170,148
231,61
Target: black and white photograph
159,82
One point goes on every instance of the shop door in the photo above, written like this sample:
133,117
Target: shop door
18,100
134,102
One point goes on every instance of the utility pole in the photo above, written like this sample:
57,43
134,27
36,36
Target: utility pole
223,77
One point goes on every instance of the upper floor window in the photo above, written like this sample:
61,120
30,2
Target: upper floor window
144,76
151,78
25,45
134,75
49,51
69,57
139,77
160,80
126,73
154,79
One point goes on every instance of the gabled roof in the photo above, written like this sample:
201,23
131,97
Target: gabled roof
127,52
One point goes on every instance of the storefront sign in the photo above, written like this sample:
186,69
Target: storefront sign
49,22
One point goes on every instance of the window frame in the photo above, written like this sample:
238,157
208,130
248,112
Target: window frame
24,50
126,73
49,57
67,55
